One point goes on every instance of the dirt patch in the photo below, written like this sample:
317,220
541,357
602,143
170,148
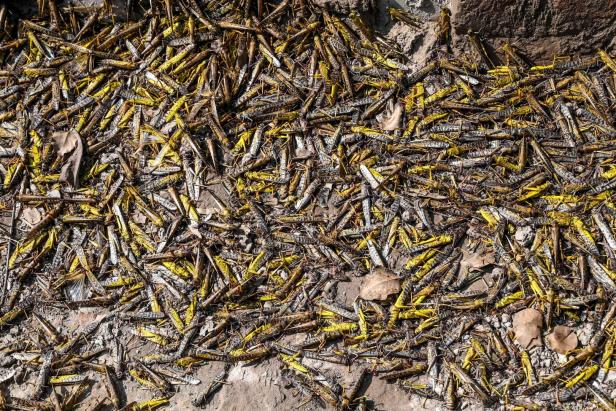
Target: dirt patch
541,28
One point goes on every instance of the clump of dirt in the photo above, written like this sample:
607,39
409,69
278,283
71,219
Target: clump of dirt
408,39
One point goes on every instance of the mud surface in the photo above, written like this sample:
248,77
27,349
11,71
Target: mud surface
542,28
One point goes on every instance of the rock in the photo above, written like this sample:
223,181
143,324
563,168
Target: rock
99,340
541,28
524,235
406,37
208,325
585,334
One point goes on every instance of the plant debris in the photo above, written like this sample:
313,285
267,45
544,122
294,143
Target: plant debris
562,339
527,326
379,284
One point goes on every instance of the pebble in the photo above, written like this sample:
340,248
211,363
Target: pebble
524,235
585,334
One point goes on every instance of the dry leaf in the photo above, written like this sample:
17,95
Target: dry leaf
480,258
527,326
379,284
70,170
562,339
66,141
32,216
392,120
479,285
475,261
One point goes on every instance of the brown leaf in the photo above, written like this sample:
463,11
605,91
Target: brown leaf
66,141
527,326
379,284
392,119
562,339
480,258
70,170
